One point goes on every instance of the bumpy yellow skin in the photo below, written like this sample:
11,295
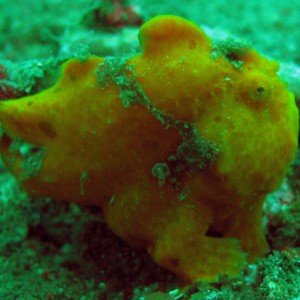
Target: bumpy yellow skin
98,150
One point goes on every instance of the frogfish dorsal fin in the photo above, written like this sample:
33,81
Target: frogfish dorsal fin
165,32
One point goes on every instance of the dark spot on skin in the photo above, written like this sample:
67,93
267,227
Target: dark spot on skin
218,119
34,150
5,141
47,129
217,92
192,44
72,77
150,145
213,233
20,127
174,262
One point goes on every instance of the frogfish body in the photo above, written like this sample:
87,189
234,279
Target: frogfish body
179,145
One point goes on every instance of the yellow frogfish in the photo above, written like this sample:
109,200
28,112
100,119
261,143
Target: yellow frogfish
178,145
